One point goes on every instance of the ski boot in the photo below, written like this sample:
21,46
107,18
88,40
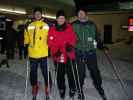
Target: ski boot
62,94
101,92
71,94
104,97
34,98
47,92
48,88
35,89
72,98
62,98
81,96
47,98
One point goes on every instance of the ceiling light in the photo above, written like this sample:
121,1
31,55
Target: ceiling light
12,11
49,16
1,38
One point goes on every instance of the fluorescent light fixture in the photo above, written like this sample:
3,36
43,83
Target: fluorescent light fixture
8,20
12,11
1,38
126,5
49,16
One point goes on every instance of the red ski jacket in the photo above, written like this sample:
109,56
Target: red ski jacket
58,40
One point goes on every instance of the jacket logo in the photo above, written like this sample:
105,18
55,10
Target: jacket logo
51,37
90,39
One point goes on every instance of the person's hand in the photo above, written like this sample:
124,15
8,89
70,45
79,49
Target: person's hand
58,53
100,45
69,48
26,45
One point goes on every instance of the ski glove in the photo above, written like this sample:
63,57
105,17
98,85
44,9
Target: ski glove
69,48
58,53
26,45
100,45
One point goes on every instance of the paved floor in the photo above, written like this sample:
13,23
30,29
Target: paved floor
12,80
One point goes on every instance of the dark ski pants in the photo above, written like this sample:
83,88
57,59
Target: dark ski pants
22,51
62,70
94,70
89,60
34,69
10,53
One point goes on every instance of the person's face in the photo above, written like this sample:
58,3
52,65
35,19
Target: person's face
82,14
37,15
61,20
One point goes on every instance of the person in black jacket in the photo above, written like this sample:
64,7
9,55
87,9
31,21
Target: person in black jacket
20,42
10,40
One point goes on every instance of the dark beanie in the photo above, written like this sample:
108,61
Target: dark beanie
60,13
39,9
81,9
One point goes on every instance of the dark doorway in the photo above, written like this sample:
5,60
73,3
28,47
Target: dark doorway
107,34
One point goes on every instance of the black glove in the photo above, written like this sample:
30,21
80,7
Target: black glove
100,45
49,53
69,48
58,53
26,45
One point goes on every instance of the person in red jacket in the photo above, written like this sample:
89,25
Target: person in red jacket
61,42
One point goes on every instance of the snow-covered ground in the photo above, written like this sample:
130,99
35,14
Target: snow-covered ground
12,80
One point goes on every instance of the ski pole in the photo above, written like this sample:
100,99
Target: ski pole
78,78
56,71
106,53
74,76
27,77
48,77
80,89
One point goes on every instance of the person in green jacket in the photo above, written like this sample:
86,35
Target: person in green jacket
88,41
